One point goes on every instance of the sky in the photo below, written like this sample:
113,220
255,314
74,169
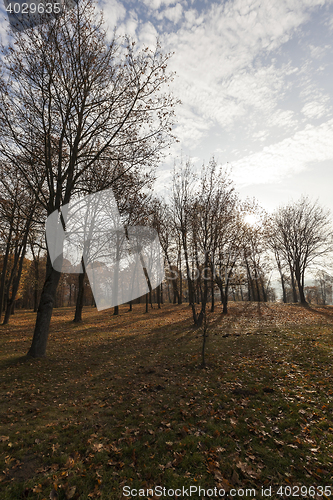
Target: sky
255,81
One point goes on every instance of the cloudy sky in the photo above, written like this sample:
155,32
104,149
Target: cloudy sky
255,80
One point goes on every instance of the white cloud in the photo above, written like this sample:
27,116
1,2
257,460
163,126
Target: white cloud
215,54
114,12
317,51
172,13
130,27
156,4
191,128
316,103
292,155
314,109
261,136
148,35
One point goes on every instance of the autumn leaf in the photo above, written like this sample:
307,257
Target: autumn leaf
247,470
53,494
70,492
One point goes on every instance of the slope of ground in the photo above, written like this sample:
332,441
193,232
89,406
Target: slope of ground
121,402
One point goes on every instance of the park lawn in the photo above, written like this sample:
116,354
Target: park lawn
122,401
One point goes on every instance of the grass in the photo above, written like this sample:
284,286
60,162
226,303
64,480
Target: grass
121,401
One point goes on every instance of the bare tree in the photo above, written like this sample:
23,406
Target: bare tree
229,248
303,235
69,101
17,208
214,211
182,213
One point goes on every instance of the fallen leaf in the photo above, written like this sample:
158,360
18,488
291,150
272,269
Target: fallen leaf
70,492
53,495
247,470
235,477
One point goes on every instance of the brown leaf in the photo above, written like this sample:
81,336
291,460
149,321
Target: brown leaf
247,470
97,447
53,494
234,477
69,462
222,482
70,492
178,459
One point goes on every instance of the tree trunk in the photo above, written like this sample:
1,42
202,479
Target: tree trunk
284,295
80,295
15,287
213,298
3,273
302,296
44,313
180,295
225,304
292,275
250,283
264,293
204,337
300,284
169,296
190,284
158,291
204,299
257,285
224,297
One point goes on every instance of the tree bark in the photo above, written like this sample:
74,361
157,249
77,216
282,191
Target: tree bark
15,287
292,276
158,291
225,302
204,337
3,273
180,295
44,313
284,295
213,298
80,295
300,284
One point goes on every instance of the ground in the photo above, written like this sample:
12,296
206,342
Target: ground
122,402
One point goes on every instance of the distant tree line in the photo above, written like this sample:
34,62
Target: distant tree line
216,247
